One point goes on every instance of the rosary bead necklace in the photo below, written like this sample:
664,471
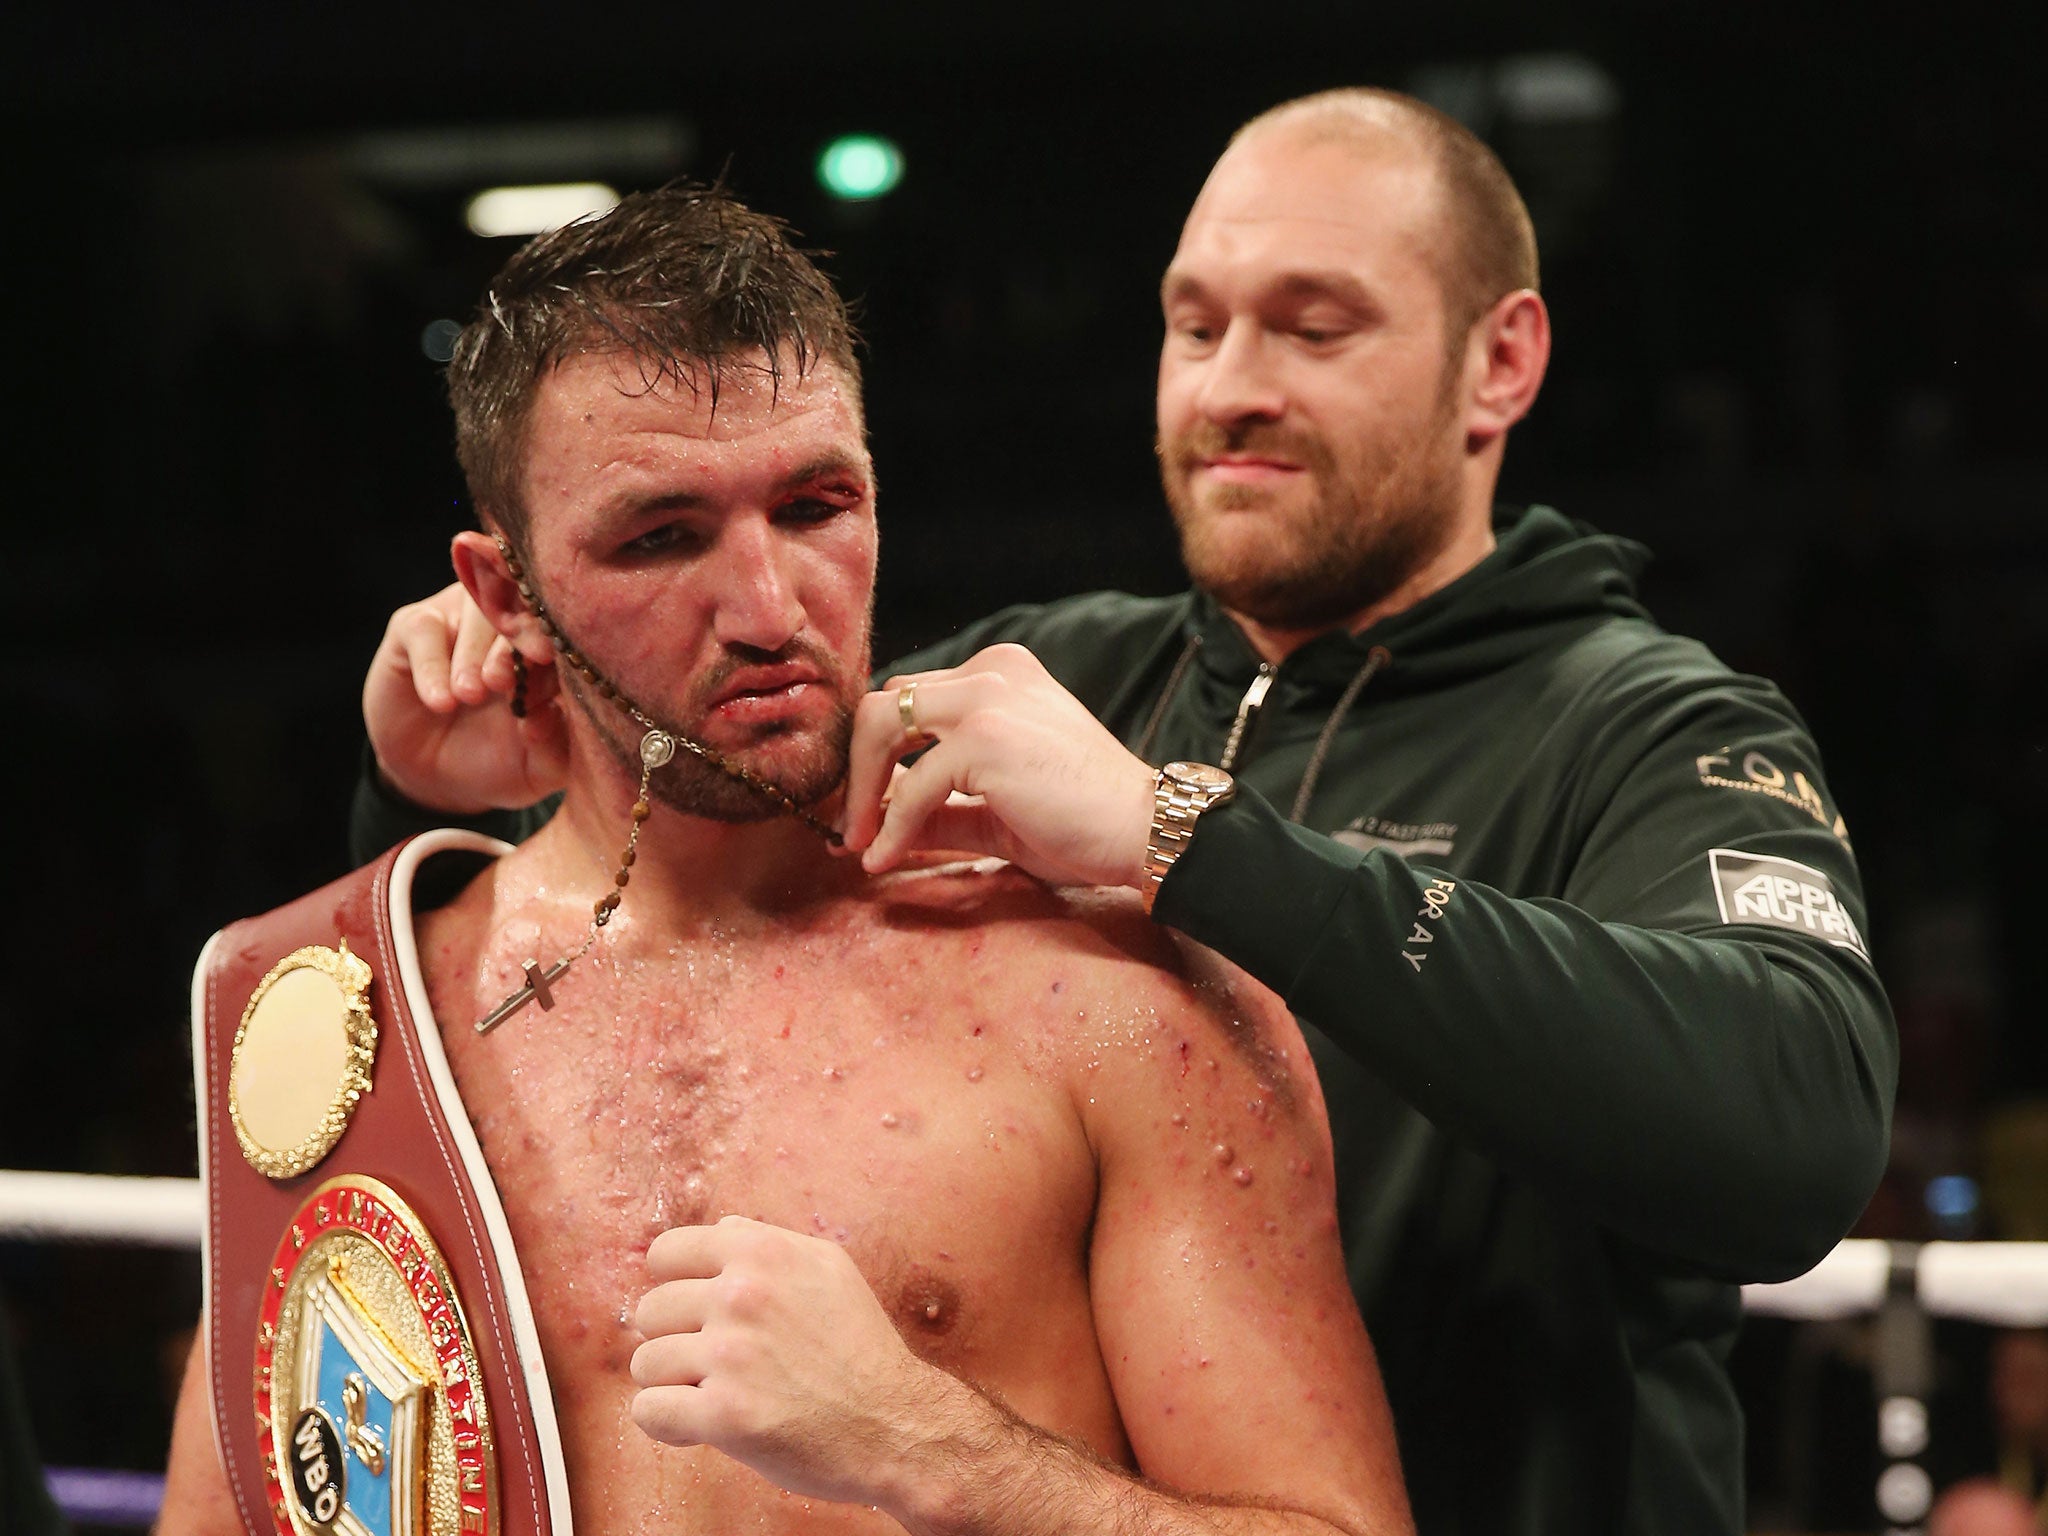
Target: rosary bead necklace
657,747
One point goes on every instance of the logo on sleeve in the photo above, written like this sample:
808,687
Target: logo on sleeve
1408,839
1761,888
1760,776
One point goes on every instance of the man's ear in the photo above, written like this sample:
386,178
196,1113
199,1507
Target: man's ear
1505,359
480,567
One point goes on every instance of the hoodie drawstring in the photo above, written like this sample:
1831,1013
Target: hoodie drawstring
1173,682
1375,658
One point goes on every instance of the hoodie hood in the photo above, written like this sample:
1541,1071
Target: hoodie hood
1547,575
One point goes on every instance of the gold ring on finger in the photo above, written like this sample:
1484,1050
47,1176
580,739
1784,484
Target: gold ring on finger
906,712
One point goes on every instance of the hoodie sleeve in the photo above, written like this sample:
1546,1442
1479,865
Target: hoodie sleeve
1687,1041
378,817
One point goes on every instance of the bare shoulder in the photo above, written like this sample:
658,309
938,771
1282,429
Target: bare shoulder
453,937
1104,986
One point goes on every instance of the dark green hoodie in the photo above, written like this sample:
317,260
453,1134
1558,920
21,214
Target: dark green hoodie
1576,943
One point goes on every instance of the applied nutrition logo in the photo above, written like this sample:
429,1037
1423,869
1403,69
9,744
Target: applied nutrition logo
1778,893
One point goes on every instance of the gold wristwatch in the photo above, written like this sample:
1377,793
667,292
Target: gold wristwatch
1180,794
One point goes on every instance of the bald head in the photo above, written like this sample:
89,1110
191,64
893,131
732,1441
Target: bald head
1483,243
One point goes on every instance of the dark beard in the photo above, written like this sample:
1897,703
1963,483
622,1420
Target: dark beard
694,787
689,784
1322,593
1366,535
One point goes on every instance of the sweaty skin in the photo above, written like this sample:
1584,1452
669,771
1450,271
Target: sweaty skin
1079,1169
977,1093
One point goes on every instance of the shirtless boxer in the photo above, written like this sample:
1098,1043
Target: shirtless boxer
970,1204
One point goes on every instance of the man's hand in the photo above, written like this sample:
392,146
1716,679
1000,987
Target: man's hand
437,707
770,1346
1050,789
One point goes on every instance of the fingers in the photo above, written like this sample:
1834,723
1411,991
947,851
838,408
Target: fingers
1074,805
1007,659
942,701
872,754
688,1253
419,643
919,792
433,707
543,737
965,828
675,1306
674,1414
473,644
690,1320
500,679
449,650
671,1360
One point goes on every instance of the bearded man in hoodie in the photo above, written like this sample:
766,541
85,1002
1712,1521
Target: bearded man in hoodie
1563,905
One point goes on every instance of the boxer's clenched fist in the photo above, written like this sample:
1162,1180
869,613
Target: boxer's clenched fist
770,1346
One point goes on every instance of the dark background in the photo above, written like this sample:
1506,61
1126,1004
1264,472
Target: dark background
1801,302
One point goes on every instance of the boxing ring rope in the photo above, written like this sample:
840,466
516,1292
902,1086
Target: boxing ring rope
126,1212
100,1208
1903,1285
2002,1284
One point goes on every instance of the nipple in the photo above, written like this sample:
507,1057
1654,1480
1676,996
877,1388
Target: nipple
927,1305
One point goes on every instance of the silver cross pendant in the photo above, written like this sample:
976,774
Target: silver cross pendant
536,990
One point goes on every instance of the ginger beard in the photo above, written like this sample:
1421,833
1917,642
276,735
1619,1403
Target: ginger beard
807,762
1366,521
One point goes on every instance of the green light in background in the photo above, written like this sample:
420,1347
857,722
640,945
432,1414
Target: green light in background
859,167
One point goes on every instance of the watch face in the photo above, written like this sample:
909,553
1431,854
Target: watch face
1199,778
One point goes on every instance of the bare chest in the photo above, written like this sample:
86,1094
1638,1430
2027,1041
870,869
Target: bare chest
876,1099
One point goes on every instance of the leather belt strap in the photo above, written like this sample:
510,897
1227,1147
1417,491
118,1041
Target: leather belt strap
408,1173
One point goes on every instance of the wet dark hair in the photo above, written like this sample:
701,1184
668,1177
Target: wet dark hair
687,280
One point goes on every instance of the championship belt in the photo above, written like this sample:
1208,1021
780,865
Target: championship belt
372,1358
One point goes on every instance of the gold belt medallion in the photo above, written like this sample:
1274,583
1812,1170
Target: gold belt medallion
302,1058
370,1412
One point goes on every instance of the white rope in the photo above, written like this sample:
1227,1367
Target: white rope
1848,1282
2001,1283
2005,1284
99,1208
